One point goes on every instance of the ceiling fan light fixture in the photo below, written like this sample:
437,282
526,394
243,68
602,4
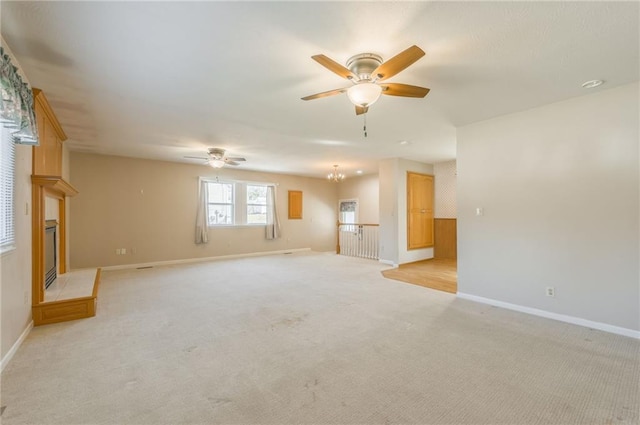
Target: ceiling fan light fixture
364,94
216,163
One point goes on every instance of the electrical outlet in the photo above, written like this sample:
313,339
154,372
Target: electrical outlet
551,291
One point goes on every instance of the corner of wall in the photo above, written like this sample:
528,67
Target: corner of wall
15,280
6,359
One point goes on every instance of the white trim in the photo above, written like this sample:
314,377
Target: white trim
555,316
7,358
202,259
389,262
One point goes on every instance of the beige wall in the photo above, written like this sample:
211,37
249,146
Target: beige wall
67,177
149,208
388,211
406,255
559,187
15,266
365,189
51,208
445,189
393,211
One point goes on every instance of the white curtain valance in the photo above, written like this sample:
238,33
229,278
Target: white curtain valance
348,206
16,103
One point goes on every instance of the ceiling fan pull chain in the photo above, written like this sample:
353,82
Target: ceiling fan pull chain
365,124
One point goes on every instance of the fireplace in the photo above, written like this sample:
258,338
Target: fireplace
50,252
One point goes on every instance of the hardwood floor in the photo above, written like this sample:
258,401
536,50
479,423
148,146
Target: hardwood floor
440,274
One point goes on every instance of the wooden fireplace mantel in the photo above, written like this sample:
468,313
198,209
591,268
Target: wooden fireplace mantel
56,185
46,182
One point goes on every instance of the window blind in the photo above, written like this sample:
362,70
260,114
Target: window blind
7,180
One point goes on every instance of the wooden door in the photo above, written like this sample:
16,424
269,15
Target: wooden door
419,210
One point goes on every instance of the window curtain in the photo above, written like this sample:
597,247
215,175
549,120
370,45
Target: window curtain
202,234
273,223
16,104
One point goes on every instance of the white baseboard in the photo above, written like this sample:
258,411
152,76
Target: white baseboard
555,316
201,259
7,358
389,262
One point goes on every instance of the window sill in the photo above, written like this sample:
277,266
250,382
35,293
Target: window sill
7,250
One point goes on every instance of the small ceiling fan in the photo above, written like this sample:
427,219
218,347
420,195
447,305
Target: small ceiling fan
217,158
366,71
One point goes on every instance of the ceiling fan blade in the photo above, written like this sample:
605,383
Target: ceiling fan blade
334,66
228,162
397,63
230,158
324,94
361,109
405,90
195,157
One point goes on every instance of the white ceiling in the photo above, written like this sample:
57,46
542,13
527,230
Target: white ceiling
163,80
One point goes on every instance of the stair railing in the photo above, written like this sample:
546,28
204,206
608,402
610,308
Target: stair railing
358,240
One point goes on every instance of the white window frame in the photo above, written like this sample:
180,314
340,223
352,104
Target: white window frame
254,204
7,191
240,204
231,204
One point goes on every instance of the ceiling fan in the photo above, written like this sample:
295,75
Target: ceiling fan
366,71
217,158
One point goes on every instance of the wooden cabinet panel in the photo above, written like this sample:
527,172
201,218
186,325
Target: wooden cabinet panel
47,157
419,210
445,238
39,154
295,204
49,143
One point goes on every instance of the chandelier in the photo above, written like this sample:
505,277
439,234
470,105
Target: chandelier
335,175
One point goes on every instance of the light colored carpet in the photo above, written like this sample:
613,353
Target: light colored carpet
312,338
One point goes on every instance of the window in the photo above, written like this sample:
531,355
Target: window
236,203
256,204
348,211
7,158
220,206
